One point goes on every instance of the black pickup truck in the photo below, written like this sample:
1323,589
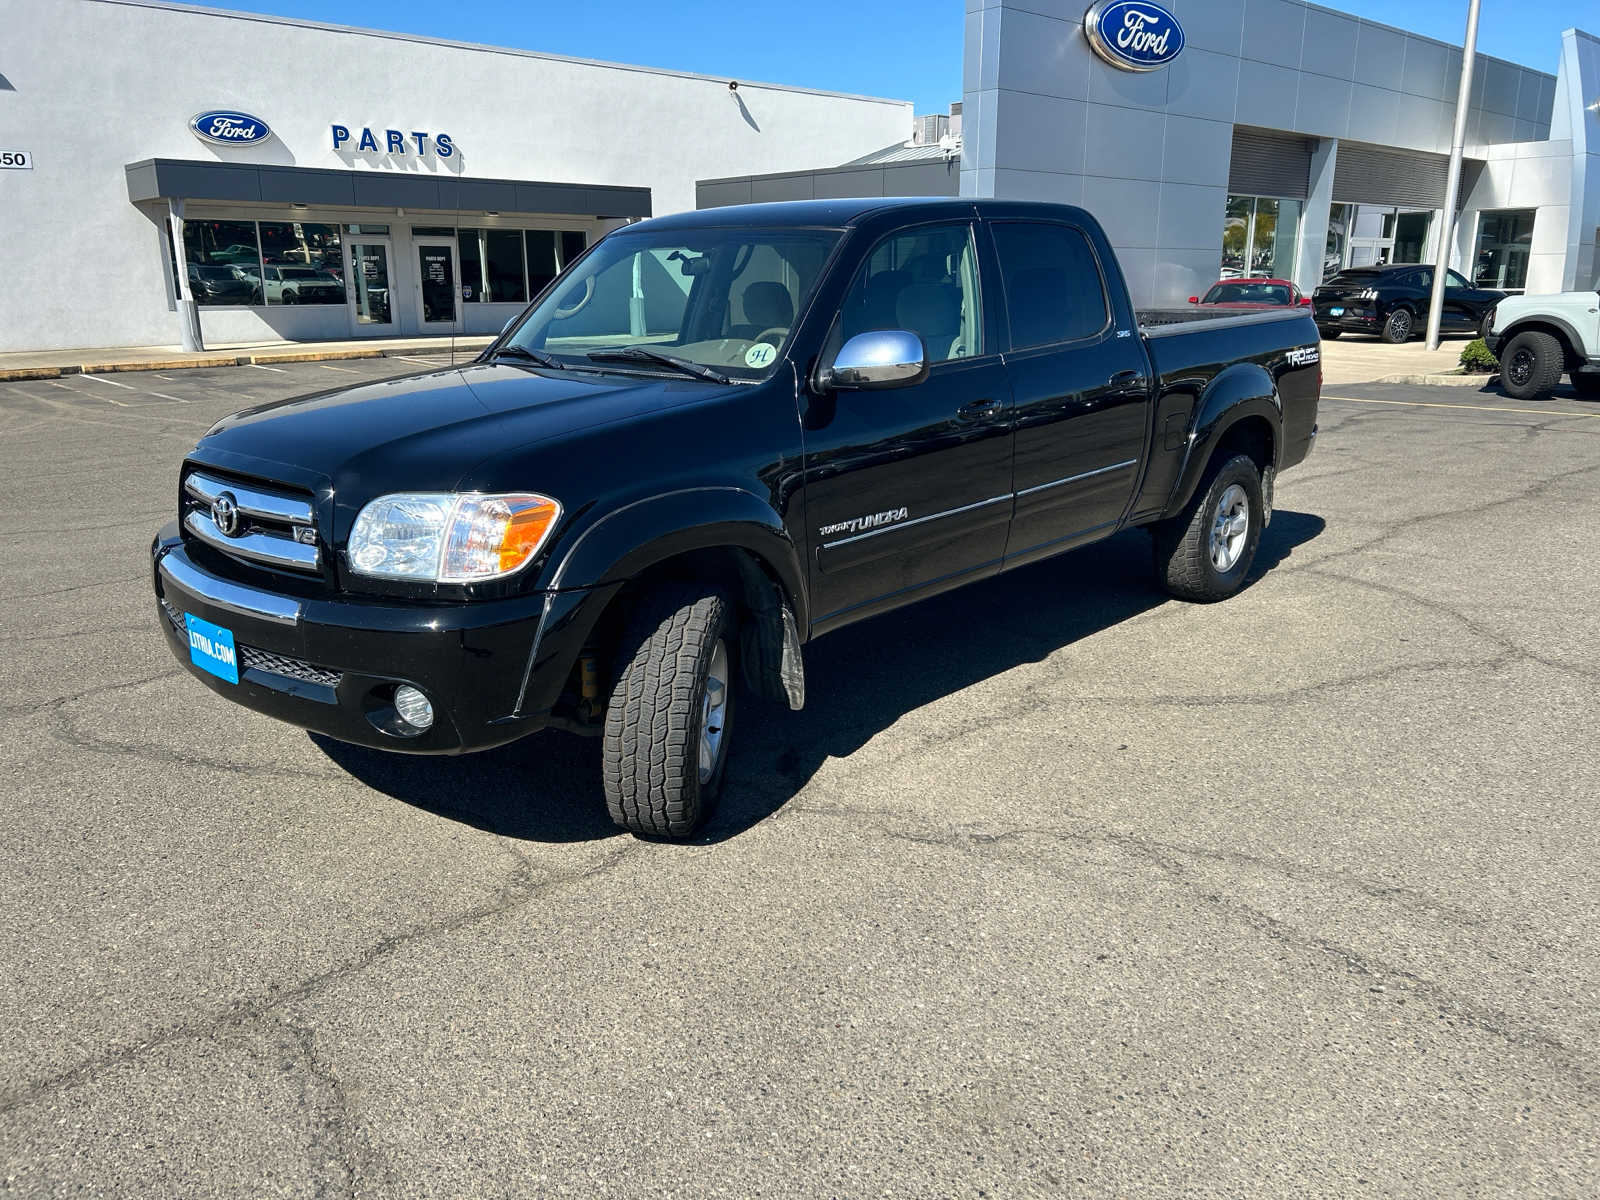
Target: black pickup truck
717,435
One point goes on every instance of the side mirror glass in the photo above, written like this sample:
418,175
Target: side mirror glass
1194,299
883,358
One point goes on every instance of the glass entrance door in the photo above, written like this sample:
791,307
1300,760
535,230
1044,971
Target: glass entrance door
370,291
436,285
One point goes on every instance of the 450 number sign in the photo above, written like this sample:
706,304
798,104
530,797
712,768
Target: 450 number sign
16,160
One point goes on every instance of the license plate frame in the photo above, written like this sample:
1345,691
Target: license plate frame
212,648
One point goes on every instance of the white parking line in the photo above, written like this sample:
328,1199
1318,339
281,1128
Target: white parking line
346,370
259,367
430,362
112,382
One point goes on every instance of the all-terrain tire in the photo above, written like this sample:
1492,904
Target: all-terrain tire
1530,367
1398,326
651,750
1183,544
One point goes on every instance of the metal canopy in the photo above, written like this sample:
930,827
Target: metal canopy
181,179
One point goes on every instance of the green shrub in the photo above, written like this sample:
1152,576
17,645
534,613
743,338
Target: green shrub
1477,360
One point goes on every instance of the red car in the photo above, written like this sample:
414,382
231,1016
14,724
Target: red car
1252,293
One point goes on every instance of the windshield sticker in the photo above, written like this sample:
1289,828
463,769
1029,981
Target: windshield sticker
760,355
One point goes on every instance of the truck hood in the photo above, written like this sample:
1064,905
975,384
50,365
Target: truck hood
425,432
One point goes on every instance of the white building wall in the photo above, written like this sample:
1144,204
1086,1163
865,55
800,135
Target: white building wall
1148,154
98,84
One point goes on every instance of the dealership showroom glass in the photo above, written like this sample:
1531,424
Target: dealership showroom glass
246,207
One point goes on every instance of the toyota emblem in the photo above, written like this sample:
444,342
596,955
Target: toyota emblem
225,514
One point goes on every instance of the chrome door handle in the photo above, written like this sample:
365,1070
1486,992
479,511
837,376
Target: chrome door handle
978,410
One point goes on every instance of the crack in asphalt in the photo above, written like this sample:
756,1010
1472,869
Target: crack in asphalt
1573,1061
76,587
54,704
515,892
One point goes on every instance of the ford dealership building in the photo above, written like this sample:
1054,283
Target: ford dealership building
284,179
305,181
1233,137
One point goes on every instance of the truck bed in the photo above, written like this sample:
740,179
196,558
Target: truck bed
1191,347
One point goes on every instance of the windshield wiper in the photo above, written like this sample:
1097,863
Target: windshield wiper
533,356
645,354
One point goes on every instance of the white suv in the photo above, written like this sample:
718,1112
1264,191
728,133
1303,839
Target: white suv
1540,338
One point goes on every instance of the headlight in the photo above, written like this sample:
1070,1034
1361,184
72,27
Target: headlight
445,537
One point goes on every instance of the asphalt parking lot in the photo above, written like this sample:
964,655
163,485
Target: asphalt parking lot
1056,888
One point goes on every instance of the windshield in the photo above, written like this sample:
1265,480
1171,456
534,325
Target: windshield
721,298
1248,293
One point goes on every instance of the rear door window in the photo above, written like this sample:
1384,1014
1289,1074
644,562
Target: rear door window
1054,290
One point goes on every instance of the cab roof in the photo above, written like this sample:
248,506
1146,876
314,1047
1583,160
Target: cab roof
839,213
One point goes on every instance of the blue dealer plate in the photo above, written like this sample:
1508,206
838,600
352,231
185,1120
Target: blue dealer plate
1336,312
211,648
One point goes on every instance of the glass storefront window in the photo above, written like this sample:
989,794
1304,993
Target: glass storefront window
542,264
302,263
1411,236
492,266
223,262
1504,241
573,242
1338,238
1259,236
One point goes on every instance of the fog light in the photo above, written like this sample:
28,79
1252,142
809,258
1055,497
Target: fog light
413,707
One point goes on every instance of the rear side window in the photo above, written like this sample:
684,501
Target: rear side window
1054,292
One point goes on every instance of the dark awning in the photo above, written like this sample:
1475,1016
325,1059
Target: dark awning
180,179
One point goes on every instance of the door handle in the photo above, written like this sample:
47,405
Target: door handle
1127,381
978,410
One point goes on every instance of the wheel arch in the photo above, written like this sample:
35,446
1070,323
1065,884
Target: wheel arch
1571,343
725,538
1240,410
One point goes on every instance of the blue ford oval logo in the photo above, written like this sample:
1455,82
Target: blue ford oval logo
1133,35
230,128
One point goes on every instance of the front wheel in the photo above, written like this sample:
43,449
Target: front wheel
666,730
1397,328
1205,553
1531,366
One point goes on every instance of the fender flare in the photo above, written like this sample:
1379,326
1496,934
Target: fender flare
1574,346
629,540
1242,391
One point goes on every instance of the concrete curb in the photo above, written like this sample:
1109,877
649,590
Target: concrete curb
1442,380
17,374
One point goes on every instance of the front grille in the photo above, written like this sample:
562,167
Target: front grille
262,524
252,658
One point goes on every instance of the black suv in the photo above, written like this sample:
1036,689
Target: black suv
1392,300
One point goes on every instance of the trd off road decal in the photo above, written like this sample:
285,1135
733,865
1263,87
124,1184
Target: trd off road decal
1305,356
864,524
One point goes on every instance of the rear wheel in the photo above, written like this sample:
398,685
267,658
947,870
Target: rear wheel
1531,366
666,730
1205,553
1329,335
1486,326
1398,326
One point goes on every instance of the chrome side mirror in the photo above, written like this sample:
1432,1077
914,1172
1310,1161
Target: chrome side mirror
883,358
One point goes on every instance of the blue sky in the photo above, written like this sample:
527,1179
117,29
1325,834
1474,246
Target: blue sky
907,49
